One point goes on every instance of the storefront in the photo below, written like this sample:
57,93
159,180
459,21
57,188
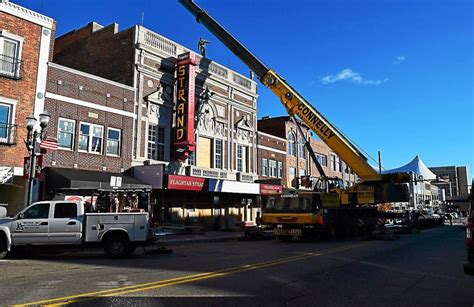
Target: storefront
101,191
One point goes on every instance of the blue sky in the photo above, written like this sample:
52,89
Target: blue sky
393,75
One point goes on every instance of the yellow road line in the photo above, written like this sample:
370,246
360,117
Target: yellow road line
180,280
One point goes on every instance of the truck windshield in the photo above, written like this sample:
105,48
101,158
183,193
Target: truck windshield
288,204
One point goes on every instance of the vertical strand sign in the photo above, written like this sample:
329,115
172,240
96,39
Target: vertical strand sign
184,129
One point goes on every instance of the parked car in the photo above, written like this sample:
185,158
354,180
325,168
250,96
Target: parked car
469,265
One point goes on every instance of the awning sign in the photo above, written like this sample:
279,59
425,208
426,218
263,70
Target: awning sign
187,183
227,186
270,189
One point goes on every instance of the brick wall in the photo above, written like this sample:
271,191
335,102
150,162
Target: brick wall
22,90
263,153
67,83
107,53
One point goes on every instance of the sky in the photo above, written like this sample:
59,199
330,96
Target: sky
393,75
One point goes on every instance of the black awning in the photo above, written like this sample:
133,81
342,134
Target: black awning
72,181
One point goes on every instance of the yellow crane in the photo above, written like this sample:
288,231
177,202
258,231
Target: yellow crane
334,208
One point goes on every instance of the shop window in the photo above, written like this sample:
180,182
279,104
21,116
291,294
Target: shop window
10,54
291,144
264,167
90,138
280,169
66,133
273,168
113,141
218,153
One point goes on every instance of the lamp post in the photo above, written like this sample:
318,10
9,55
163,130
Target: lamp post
30,143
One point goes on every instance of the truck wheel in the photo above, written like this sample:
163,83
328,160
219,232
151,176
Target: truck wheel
116,246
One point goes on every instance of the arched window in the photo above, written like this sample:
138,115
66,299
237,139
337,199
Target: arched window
301,148
291,144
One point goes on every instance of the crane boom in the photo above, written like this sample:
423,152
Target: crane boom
290,98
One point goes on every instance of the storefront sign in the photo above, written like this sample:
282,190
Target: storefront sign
184,129
176,182
270,189
227,186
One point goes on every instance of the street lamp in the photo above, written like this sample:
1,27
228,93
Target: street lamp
30,143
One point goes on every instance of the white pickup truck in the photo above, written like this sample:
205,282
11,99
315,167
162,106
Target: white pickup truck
65,223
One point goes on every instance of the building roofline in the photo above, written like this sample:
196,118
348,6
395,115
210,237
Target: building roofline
26,14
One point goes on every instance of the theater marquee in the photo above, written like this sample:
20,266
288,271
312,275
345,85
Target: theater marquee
184,130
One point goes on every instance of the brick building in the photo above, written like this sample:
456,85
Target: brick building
26,40
281,140
223,162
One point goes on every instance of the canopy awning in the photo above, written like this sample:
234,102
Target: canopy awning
81,182
417,167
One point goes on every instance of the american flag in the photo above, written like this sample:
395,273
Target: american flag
49,144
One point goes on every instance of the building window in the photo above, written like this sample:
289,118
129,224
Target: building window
156,142
90,138
7,128
302,172
332,162
113,141
291,144
218,153
301,148
280,169
264,167
10,54
322,159
66,133
240,156
191,158
273,168
292,176
338,166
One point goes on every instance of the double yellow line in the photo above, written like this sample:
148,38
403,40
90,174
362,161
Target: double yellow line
59,301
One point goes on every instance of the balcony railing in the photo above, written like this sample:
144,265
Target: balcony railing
7,134
10,67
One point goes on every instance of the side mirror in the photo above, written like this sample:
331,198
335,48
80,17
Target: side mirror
21,215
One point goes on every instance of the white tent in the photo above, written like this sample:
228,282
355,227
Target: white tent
417,167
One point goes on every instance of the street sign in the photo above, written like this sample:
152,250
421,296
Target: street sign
49,144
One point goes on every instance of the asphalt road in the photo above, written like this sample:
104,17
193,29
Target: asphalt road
422,269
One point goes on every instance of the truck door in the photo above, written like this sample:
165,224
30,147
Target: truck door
33,226
65,226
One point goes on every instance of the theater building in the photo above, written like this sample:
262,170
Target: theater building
197,148
25,49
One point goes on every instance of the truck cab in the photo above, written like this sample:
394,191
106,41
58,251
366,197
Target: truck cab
48,223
